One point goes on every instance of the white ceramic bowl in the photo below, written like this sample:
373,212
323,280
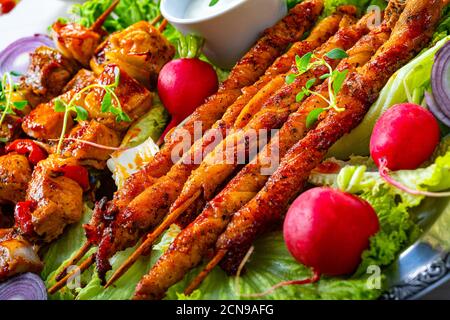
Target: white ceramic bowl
229,33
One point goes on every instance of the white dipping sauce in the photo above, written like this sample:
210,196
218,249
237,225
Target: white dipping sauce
201,9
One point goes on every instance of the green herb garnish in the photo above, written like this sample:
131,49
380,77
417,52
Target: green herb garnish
213,3
7,89
335,78
107,106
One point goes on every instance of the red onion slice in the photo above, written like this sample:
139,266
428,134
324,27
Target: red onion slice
28,286
440,82
16,57
436,109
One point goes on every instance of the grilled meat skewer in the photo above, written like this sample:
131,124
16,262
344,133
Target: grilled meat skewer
153,203
358,93
271,45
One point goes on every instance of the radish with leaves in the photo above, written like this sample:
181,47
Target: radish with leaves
403,138
185,83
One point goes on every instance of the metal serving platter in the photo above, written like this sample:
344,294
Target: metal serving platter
425,265
420,269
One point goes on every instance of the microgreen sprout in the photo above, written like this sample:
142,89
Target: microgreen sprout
335,78
110,104
7,89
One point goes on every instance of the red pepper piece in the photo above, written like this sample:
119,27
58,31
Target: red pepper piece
78,174
28,147
6,6
22,215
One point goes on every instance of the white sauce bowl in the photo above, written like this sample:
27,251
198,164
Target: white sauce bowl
228,33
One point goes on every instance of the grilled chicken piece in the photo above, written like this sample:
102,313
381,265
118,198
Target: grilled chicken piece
134,98
75,41
15,173
44,122
17,255
82,79
359,92
10,128
78,42
93,132
141,50
58,200
47,75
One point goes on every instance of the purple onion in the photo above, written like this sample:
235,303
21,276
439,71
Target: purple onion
28,286
16,57
439,102
436,109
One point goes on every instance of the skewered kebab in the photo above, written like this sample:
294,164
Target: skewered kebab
47,209
273,114
359,92
50,71
44,122
55,193
48,74
17,254
15,173
246,72
153,204
77,42
140,50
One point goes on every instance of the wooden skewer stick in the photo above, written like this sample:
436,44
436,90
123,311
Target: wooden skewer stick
163,25
202,275
156,20
101,20
84,266
78,256
150,239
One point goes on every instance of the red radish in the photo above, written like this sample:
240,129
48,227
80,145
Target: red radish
328,230
403,138
184,84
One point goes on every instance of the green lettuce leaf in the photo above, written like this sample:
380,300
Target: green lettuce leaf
151,125
270,264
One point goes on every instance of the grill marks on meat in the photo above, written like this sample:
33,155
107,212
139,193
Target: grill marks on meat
17,255
359,92
218,165
149,208
58,199
15,173
44,122
47,75
140,50
75,41
248,70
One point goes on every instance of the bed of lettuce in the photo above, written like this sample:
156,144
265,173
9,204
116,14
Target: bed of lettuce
271,262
